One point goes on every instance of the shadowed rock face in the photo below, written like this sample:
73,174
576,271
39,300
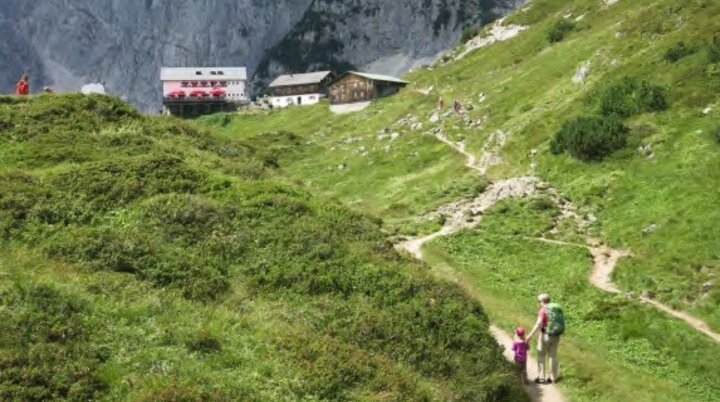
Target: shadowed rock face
123,43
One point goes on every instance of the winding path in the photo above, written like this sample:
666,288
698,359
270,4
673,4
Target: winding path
466,214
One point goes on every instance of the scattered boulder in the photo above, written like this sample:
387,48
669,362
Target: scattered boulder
582,73
650,229
706,287
498,32
394,136
434,118
426,91
408,120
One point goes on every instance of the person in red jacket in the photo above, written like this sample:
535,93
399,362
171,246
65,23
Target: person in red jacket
23,86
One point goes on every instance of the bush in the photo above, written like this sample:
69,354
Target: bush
204,342
716,134
677,52
590,137
469,33
713,50
126,250
558,31
629,97
46,352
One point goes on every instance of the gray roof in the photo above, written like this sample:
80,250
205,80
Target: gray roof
379,77
299,79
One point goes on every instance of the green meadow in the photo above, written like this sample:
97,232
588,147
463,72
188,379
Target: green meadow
650,67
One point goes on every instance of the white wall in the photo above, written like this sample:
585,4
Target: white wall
236,91
285,101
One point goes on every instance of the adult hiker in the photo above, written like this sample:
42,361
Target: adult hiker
550,326
457,106
22,88
441,103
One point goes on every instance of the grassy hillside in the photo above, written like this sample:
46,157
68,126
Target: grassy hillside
144,259
651,79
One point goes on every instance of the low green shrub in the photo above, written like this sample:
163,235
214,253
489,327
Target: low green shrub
469,33
109,184
590,137
559,30
20,192
171,391
127,250
713,50
204,342
716,134
630,96
677,52
45,349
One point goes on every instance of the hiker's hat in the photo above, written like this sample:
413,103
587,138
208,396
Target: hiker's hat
520,331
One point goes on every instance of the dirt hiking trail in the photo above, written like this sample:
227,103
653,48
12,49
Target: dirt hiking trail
464,214
605,258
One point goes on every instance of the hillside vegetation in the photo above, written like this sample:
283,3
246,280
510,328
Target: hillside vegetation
615,104
145,259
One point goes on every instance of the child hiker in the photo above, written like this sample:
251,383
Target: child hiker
520,347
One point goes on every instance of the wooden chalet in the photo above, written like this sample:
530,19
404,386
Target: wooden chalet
354,87
299,89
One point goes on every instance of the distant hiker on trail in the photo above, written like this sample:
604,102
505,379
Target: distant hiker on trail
457,106
23,86
550,326
48,90
520,347
441,103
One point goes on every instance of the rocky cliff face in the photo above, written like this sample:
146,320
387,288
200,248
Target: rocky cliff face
379,36
123,43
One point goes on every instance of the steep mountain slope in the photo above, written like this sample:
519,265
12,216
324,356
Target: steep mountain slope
124,43
382,36
645,72
144,259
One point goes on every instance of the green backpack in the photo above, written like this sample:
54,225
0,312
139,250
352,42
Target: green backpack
556,320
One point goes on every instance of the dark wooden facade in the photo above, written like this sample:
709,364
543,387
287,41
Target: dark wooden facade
193,108
353,88
298,90
301,84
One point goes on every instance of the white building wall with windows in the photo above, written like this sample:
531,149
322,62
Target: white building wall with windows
294,100
233,80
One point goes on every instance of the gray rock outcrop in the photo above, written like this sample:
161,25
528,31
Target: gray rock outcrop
123,43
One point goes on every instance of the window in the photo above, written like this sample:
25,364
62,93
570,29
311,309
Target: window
220,73
213,72
198,72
